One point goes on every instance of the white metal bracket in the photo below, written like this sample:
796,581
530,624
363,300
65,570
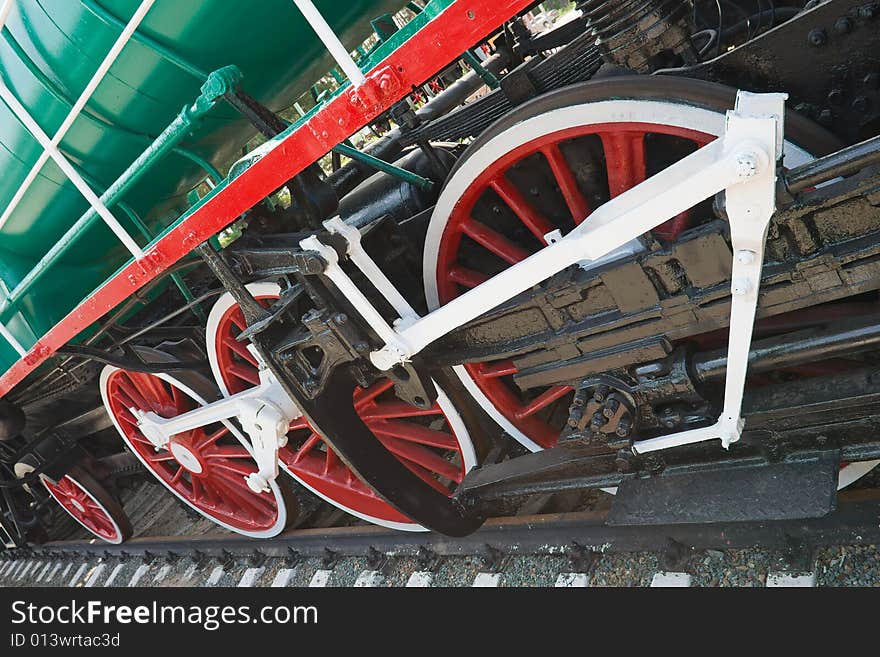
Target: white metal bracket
265,413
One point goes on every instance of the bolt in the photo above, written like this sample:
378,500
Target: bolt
869,11
826,117
623,427
600,393
746,164
860,104
745,257
610,408
817,37
843,25
835,97
741,286
872,80
598,421
340,318
361,347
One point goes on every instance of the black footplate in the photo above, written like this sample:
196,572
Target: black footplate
788,490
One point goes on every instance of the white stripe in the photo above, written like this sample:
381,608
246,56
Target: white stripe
487,580
95,574
78,574
369,579
138,574
113,575
421,579
15,566
282,579
250,577
215,576
80,103
320,579
572,580
25,569
44,571
162,574
11,339
66,570
671,580
787,580
8,566
54,572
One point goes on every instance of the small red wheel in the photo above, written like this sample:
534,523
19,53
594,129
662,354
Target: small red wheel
433,443
89,503
205,467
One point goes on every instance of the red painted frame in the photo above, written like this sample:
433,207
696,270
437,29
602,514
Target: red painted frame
443,39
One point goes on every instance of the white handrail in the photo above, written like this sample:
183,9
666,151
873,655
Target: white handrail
80,103
67,168
5,8
331,41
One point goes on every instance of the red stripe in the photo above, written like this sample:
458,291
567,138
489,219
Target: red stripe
442,40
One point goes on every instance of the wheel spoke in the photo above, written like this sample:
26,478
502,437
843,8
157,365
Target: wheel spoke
397,408
534,220
424,457
542,401
237,319
414,433
135,398
210,438
495,370
466,277
245,373
239,348
565,178
364,396
237,488
331,461
311,442
159,458
234,466
494,241
227,452
426,476
624,160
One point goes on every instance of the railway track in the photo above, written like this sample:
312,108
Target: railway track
574,548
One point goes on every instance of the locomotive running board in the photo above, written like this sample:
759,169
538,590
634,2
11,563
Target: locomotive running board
805,487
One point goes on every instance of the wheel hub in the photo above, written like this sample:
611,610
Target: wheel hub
185,455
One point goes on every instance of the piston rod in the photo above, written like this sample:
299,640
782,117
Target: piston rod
806,346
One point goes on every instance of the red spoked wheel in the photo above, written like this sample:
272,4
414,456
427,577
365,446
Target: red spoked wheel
433,443
205,467
546,167
89,503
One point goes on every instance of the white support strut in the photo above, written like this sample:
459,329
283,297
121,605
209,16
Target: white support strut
79,105
742,163
331,42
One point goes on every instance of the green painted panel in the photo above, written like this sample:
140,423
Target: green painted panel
49,50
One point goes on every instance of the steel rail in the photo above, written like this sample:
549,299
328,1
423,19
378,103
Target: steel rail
853,523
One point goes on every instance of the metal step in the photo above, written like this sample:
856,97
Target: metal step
787,490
